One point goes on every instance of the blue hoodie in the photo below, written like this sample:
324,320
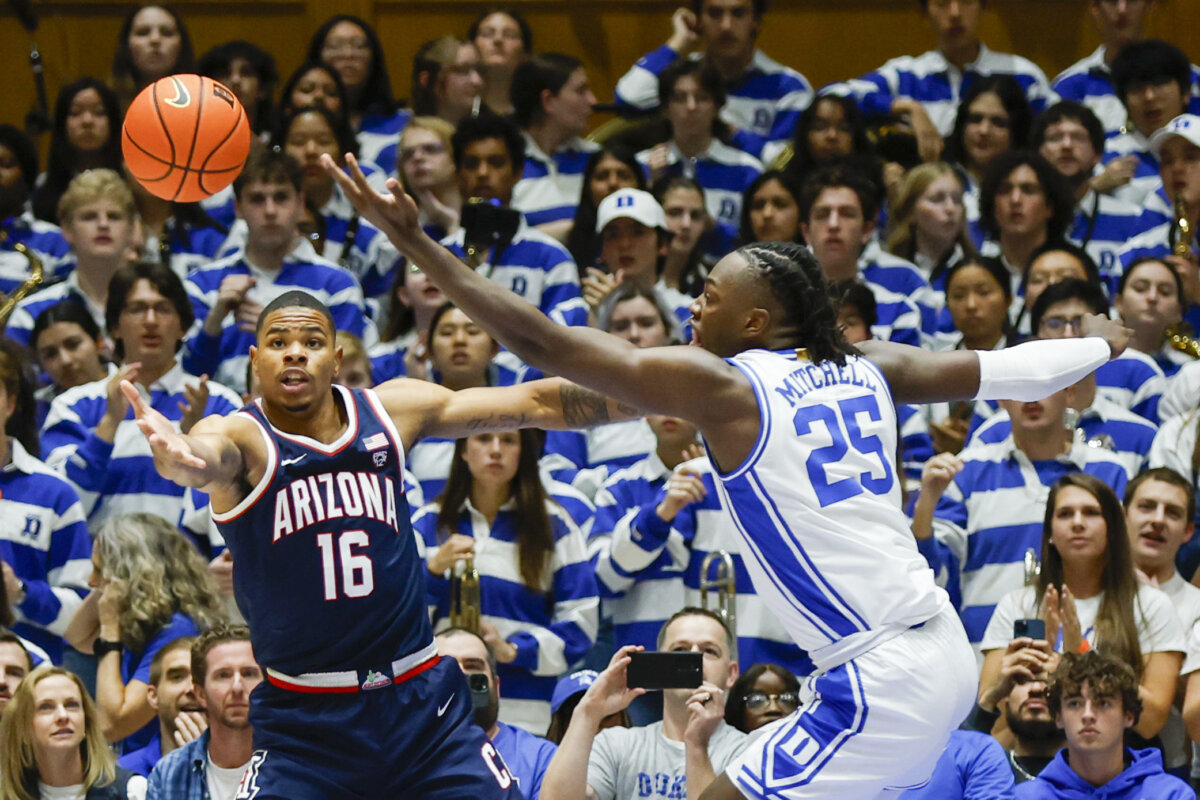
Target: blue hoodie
1143,779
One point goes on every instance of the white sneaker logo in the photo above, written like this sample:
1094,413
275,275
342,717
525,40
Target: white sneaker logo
287,462
442,708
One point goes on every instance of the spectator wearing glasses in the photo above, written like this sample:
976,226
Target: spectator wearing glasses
761,695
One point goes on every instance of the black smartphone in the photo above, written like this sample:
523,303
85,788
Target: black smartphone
658,670
486,225
1033,628
481,694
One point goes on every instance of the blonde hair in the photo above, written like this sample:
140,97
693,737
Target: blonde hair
902,240
92,185
439,127
352,346
18,760
157,573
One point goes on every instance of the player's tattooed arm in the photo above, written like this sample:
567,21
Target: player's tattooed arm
584,408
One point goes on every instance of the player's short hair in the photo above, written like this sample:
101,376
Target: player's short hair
543,72
1070,289
488,125
163,279
760,7
266,165
295,298
8,637
1153,62
696,611
1106,677
156,664
1068,110
1166,475
91,186
215,636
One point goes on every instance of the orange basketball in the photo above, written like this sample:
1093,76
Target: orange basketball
185,137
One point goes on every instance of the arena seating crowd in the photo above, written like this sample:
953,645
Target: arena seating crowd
956,199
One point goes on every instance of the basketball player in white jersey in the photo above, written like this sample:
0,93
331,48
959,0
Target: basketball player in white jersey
801,429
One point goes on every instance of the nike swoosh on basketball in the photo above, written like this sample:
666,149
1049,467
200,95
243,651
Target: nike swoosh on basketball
442,708
287,462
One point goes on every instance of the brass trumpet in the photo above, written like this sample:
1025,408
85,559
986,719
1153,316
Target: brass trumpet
36,276
725,585
464,596
1180,336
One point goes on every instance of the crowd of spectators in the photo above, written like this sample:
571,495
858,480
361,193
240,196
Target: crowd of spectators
956,199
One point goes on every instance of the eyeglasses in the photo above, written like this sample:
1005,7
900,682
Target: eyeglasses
142,309
1059,324
757,700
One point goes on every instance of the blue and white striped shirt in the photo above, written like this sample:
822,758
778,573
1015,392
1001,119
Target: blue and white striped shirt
369,255
225,357
379,139
899,276
536,267
764,104
639,560
1089,81
20,324
1103,225
939,86
586,458
46,243
1134,381
1103,424
724,173
1146,176
992,512
550,185
553,626
118,477
45,540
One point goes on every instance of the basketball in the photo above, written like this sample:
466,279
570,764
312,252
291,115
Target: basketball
185,138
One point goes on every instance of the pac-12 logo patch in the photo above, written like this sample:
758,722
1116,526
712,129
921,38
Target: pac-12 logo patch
380,458
248,789
376,680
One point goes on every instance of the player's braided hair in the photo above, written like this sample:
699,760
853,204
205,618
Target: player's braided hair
797,282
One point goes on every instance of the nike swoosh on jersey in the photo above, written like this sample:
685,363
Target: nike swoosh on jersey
442,709
287,462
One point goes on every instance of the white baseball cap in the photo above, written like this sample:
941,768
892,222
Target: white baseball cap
633,204
1186,126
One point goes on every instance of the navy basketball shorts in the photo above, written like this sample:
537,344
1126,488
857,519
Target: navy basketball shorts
415,738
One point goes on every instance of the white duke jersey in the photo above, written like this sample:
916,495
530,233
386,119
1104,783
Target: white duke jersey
817,504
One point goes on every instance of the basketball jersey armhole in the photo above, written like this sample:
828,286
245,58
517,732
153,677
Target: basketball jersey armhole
385,419
268,476
764,426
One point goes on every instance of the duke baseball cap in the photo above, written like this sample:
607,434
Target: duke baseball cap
632,204
1186,126
573,684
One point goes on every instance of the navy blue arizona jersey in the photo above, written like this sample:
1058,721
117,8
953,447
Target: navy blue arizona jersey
328,573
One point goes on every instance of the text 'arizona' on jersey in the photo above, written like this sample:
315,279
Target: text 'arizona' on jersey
328,573
818,506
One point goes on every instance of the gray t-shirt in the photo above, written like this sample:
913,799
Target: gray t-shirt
635,763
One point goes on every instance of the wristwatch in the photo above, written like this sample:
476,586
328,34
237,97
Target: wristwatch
103,647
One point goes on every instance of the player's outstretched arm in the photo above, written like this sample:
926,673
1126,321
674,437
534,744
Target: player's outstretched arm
681,381
1029,371
205,458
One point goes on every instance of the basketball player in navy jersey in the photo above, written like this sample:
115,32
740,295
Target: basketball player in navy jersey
801,429
306,487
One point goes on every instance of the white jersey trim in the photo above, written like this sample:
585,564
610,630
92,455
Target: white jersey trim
337,444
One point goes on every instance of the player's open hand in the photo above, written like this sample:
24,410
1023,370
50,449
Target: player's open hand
170,448
394,213
1112,331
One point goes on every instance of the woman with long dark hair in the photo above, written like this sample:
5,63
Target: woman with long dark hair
153,43
86,135
1089,597
504,40
538,597
831,128
610,168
